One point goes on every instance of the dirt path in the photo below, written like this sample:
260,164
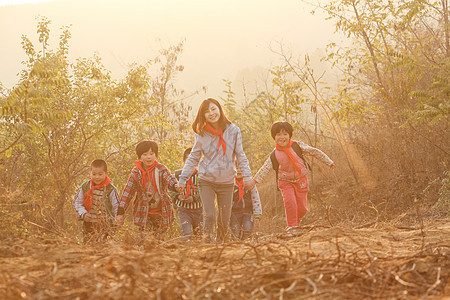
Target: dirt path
317,263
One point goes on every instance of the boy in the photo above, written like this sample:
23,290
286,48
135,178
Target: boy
189,204
289,165
246,210
97,201
149,180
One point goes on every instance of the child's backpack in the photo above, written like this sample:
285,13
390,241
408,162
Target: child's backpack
296,147
246,201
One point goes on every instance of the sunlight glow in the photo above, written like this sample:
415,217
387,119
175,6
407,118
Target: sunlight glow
15,2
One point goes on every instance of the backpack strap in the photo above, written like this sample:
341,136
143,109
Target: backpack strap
296,147
85,187
275,164
106,200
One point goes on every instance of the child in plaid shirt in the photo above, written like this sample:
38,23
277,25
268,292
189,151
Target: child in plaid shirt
149,181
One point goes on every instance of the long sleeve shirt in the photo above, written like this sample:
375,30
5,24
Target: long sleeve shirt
164,181
214,166
256,202
306,150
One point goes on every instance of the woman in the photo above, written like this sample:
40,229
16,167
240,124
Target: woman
220,143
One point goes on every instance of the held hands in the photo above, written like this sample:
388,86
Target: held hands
180,187
188,199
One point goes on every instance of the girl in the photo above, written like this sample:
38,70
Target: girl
287,161
220,143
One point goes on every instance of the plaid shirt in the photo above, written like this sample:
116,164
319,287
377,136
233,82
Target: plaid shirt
134,186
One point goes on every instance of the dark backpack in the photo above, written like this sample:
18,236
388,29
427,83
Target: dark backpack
296,147
246,201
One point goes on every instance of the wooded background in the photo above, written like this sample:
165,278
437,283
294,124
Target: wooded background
384,123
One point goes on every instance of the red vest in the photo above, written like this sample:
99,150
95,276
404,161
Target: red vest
286,169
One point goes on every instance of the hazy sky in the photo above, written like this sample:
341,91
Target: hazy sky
223,38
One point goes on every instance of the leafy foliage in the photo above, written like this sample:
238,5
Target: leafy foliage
385,122
61,116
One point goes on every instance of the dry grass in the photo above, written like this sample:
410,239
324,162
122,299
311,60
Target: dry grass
319,262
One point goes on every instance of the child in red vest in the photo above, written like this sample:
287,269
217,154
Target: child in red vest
149,181
288,162
97,201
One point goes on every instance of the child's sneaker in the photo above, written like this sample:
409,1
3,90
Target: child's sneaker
292,230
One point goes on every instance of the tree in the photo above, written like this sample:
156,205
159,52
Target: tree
392,101
282,99
64,113
166,117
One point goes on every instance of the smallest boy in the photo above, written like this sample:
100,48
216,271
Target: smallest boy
246,210
189,204
97,201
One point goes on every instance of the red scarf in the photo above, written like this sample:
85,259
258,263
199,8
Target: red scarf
89,197
149,172
209,128
190,185
240,184
291,156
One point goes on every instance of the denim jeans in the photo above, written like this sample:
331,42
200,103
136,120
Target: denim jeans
224,193
241,223
190,220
